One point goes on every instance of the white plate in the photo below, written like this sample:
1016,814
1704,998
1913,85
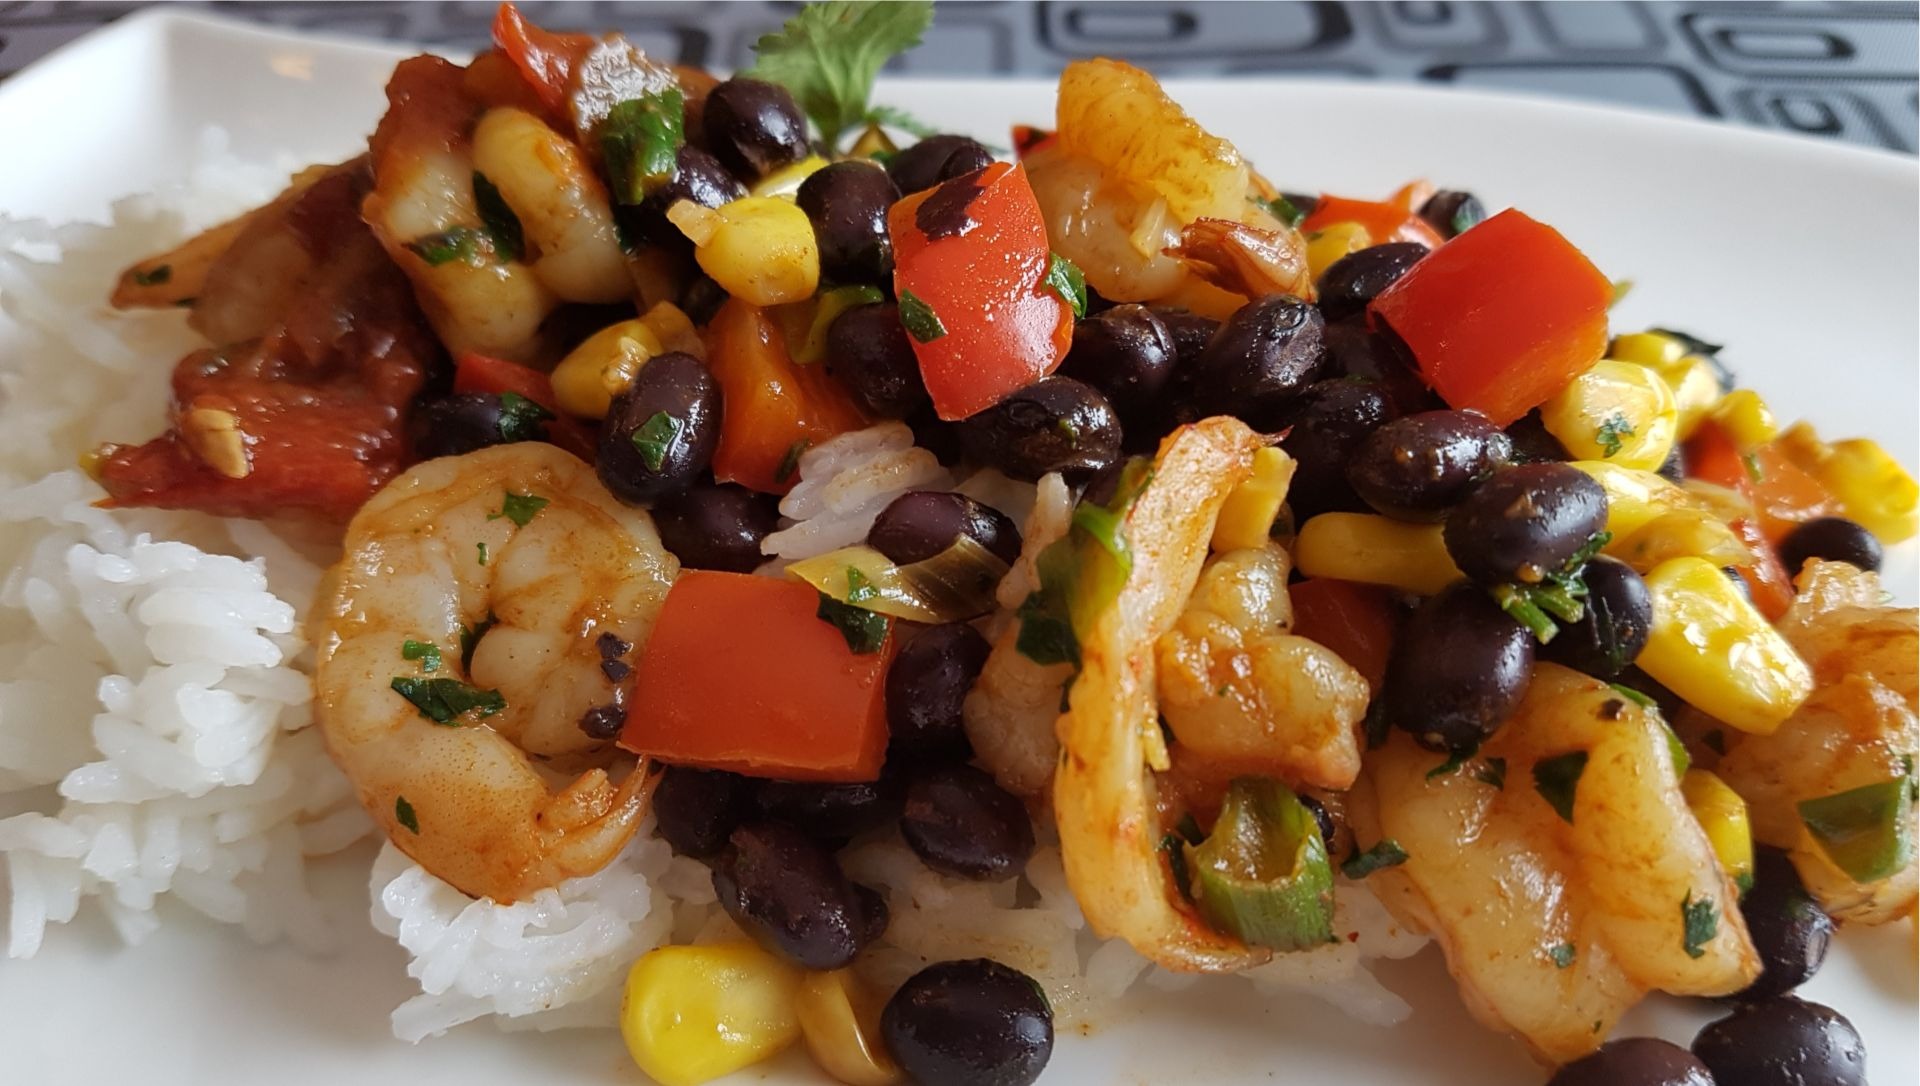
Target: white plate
1801,255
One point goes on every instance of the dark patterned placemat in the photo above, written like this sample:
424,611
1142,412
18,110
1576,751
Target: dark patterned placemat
1843,71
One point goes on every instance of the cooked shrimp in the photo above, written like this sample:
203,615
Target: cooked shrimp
562,207
1234,686
1009,716
521,543
179,275
1554,926
422,208
1858,728
1103,795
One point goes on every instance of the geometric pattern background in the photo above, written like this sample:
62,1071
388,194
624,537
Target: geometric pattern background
1838,71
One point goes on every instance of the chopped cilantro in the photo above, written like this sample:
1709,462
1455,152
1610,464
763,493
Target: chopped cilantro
1064,278
403,813
859,589
1046,624
1493,773
1387,853
1560,595
1699,922
1563,955
426,652
921,322
470,638
895,117
654,438
518,508
1609,436
444,701
864,631
1453,763
790,463
153,276
1171,846
828,54
521,419
1286,210
1556,779
1751,461
503,226
640,141
462,243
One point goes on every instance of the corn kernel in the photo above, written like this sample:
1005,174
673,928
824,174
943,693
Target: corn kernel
695,1013
1375,550
1683,533
1333,242
1635,497
785,181
1647,349
840,1021
1871,486
1696,387
674,329
1746,418
1252,506
586,381
760,249
1616,411
1710,646
1722,814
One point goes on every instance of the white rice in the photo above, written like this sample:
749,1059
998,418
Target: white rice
154,712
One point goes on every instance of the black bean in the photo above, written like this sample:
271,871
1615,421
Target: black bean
927,685
461,423
753,127
661,431
1532,444
1783,1041
1126,353
717,526
1355,279
1191,333
1740,583
832,811
1635,1061
698,177
922,523
1453,212
1355,350
868,349
1525,522
1615,627
696,809
1457,670
1325,426
936,159
1260,359
935,434
847,203
1674,467
1832,539
1055,424
787,893
959,822
1789,929
969,1023
1418,467
605,721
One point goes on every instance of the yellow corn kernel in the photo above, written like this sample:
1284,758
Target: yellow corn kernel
1619,412
1696,387
674,329
1722,814
759,249
1746,418
785,181
872,140
1335,241
1871,485
695,1013
1647,349
586,381
840,1021
1710,646
1635,497
1251,507
1375,550
1683,533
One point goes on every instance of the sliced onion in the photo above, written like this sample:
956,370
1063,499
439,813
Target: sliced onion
955,585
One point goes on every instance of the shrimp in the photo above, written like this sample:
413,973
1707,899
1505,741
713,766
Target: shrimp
522,544
1235,686
1554,926
180,275
1103,795
423,210
1858,728
561,205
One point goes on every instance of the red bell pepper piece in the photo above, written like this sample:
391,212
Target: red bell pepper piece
1028,140
480,373
1766,577
740,673
772,409
1395,219
1356,621
545,59
1502,317
977,258
1784,496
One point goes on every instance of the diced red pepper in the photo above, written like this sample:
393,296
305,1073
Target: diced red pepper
1502,317
545,59
772,409
1766,577
1784,496
974,251
480,373
1027,140
1395,219
1356,621
739,673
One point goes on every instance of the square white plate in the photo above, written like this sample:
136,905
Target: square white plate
1801,255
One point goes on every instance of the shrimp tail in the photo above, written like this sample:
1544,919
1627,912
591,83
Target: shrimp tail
1246,260
591,819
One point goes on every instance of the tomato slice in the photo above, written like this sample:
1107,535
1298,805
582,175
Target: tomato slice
971,256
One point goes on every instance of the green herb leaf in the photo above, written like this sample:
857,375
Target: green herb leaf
1699,923
1387,853
1682,761
521,419
426,652
1561,594
1452,764
1046,624
1751,461
1519,604
1621,288
790,463
921,322
462,243
1634,696
1493,773
469,638
1064,278
403,813
482,548
1867,831
1286,211
859,589
444,701
1563,955
894,117
503,226
654,439
1610,434
518,508
1376,726
1176,854
828,54
865,631
1556,779
153,276
1069,430
640,140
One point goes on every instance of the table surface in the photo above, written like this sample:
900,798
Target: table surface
1841,71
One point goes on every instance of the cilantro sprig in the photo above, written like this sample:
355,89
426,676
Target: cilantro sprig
828,54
